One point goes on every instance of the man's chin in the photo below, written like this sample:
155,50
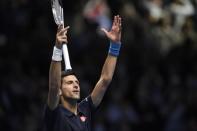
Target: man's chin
76,97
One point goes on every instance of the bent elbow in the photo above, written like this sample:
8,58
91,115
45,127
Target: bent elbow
106,80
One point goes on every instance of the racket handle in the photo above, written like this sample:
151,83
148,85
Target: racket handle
66,57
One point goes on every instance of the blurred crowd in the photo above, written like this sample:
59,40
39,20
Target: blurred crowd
155,83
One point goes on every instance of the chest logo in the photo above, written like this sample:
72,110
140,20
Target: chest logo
83,118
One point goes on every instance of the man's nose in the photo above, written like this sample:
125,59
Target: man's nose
76,86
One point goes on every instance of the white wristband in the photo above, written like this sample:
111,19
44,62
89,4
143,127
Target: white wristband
57,54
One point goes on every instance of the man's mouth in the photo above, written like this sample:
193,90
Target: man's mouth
76,91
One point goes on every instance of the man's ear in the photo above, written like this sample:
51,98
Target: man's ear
60,92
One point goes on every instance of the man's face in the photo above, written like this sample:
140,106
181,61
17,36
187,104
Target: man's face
70,87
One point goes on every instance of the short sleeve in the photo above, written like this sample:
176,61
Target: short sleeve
50,116
87,105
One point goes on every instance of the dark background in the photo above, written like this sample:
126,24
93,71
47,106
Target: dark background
155,83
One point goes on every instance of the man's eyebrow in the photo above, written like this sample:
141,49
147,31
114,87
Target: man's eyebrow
68,80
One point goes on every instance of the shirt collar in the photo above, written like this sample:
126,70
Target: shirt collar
66,111
79,111
69,113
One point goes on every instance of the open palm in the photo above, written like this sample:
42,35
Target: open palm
114,34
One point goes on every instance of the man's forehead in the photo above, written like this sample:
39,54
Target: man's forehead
70,77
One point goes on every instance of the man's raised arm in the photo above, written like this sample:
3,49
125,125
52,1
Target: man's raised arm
114,35
55,68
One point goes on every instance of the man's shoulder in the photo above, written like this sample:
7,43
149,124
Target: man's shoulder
85,101
86,104
51,112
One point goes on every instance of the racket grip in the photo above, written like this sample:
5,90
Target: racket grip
66,57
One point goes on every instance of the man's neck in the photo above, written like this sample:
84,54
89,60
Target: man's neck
70,105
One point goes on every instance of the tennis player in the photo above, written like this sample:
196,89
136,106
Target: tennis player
64,87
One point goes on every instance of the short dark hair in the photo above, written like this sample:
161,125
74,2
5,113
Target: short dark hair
67,73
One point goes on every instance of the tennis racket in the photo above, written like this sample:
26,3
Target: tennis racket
58,15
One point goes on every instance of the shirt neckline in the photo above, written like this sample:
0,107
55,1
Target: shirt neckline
69,113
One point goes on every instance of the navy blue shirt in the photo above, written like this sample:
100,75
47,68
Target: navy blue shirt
61,119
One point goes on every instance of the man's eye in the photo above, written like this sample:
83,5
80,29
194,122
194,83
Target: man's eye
77,82
69,82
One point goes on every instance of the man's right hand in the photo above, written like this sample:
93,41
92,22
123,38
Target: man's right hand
61,36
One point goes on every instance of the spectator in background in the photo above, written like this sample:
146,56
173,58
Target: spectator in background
180,9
